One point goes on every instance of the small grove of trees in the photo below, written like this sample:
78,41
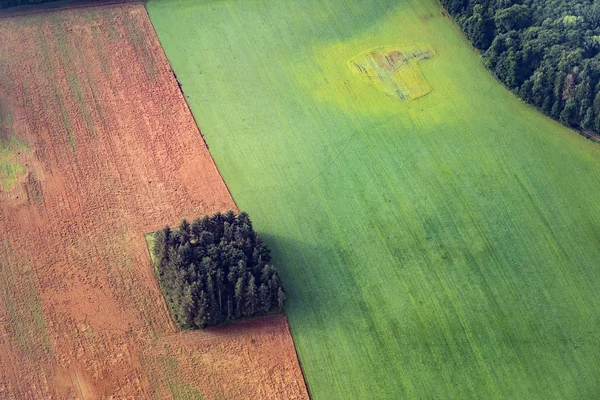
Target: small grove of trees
546,51
215,270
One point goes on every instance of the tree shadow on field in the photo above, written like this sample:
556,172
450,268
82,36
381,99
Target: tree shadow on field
332,308
313,298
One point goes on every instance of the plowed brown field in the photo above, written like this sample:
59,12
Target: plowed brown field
98,147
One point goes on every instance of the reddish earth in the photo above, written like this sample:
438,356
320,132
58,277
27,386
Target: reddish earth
112,152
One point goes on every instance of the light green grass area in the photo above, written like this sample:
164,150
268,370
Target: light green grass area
184,392
10,168
149,237
179,389
444,247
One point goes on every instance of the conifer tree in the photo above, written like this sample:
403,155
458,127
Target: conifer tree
202,318
228,231
265,297
280,297
267,273
207,238
220,277
274,285
229,308
230,216
184,231
251,300
198,226
217,225
186,306
212,306
239,297
160,246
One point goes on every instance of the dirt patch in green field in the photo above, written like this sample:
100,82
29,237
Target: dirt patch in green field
393,71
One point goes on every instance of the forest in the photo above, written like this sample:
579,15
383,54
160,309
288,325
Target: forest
14,3
215,270
546,51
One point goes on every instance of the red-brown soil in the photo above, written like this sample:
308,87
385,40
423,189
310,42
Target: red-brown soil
112,152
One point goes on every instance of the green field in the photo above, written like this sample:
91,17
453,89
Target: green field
437,237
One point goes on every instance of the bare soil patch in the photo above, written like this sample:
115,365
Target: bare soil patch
394,72
110,151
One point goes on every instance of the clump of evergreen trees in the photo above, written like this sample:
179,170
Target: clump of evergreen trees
546,51
215,270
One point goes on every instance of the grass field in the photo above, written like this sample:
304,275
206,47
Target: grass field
445,246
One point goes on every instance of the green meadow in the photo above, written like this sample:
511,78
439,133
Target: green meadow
437,237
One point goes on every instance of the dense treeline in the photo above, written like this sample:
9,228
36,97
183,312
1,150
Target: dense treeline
14,3
215,270
547,51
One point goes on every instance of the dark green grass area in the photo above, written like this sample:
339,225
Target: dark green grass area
446,247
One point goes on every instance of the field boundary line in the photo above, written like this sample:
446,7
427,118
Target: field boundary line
188,106
225,183
297,357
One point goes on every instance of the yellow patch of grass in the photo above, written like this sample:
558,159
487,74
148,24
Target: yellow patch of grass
10,169
393,71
